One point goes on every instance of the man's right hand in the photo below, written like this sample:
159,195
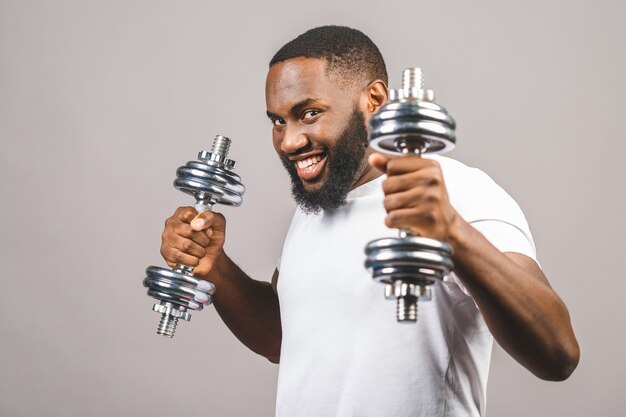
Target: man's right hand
249,308
193,239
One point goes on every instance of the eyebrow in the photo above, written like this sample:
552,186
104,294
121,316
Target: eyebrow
295,109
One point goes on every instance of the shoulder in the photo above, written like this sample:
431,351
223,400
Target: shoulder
475,194
487,207
455,171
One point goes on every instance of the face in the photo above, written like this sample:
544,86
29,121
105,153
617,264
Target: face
318,132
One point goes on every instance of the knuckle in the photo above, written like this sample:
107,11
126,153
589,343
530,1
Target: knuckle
386,185
166,239
177,256
169,221
187,245
185,213
434,180
389,221
395,201
393,217
389,185
388,202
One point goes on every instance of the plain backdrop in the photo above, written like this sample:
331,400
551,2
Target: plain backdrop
100,102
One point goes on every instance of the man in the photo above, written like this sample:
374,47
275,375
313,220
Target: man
340,350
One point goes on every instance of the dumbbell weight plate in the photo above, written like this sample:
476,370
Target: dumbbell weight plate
224,186
178,287
427,124
411,258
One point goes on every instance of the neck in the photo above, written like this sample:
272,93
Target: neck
367,172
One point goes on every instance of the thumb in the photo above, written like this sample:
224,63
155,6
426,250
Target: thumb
379,161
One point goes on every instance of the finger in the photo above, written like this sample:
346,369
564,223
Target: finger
416,196
408,163
188,247
410,218
204,267
185,230
175,256
209,219
378,161
185,214
412,179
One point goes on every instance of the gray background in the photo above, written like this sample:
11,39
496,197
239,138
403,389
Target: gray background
101,101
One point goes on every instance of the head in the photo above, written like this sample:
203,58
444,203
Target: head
321,89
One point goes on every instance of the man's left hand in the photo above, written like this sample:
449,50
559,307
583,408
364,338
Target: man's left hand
416,198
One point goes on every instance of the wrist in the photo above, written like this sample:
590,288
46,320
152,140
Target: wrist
459,234
217,265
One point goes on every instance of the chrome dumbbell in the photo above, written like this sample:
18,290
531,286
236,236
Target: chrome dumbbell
211,181
410,123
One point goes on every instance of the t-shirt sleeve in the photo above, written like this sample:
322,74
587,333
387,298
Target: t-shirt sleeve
507,237
489,208
492,211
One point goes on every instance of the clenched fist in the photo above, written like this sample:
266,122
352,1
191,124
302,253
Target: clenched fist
193,239
416,198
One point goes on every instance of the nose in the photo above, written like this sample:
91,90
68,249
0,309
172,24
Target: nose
293,140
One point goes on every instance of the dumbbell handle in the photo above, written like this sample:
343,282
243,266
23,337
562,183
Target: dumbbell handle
408,151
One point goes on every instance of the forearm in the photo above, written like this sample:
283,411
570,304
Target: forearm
520,308
249,308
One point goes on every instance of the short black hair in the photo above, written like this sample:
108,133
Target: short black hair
349,53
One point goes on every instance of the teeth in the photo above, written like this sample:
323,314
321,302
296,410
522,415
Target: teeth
305,163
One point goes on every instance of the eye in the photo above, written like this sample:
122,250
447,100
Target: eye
309,114
278,122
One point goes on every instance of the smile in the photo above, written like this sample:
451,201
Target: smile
311,167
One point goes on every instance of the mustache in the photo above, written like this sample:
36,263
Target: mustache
306,149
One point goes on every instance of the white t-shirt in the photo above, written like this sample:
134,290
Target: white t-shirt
343,352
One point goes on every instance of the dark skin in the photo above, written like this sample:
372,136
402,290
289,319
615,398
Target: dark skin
308,109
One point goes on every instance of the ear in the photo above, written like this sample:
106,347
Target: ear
375,95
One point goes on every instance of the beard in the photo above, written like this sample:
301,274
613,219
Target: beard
344,161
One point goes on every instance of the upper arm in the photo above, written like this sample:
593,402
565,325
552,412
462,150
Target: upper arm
528,264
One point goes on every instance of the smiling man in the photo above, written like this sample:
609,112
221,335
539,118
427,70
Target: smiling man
318,115
340,350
